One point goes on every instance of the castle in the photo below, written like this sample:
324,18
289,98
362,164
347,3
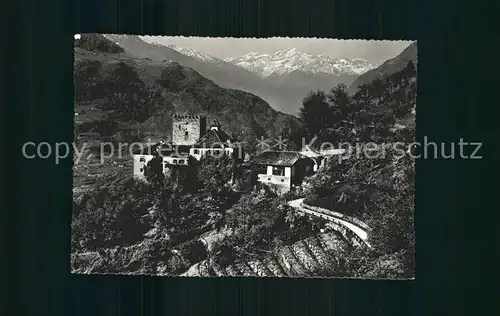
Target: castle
281,170
187,129
190,138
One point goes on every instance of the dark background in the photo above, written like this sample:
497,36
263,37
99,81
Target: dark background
457,205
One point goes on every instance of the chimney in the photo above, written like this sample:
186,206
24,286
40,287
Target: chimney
215,125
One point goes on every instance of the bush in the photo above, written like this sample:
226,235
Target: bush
112,215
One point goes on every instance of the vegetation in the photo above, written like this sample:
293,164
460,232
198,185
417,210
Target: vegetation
159,223
374,181
124,225
114,89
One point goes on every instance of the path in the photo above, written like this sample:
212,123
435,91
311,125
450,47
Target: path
356,229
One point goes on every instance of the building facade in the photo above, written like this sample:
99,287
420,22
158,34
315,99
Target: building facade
189,139
282,170
172,161
188,129
214,142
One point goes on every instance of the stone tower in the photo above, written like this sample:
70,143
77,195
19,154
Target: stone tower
187,129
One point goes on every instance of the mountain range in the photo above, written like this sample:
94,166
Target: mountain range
250,94
282,78
286,61
115,90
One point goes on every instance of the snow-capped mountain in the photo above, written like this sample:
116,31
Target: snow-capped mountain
285,61
195,54
283,78
184,50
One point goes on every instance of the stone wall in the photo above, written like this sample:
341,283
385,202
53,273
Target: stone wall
342,226
305,258
337,214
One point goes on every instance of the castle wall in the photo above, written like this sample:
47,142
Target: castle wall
141,161
187,129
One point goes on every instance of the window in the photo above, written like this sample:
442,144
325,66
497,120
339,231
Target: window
142,159
175,161
181,162
186,135
278,171
141,170
196,151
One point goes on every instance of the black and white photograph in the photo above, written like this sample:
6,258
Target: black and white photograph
244,157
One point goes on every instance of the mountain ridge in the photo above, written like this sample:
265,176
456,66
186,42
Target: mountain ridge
285,61
116,89
393,65
284,92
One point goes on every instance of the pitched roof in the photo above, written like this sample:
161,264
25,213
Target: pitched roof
278,158
309,152
333,152
213,136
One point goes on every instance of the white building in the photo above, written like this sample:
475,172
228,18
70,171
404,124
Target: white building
213,142
283,169
141,161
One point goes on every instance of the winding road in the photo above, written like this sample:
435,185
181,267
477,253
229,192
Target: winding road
327,214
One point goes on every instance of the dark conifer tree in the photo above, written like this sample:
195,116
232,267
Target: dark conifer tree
154,169
315,113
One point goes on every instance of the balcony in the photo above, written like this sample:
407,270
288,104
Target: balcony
273,179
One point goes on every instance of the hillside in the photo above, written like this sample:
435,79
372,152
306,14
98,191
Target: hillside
211,218
116,91
223,73
283,91
387,68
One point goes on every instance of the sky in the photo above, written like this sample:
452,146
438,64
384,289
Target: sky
375,52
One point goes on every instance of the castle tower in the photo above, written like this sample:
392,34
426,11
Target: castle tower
187,129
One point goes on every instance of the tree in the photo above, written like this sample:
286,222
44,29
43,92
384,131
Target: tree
340,102
409,71
315,113
154,170
376,90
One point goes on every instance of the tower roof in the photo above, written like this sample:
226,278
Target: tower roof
211,137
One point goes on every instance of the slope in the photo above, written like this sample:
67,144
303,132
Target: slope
389,67
283,92
115,90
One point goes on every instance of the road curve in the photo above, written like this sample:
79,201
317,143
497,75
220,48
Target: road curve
360,232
